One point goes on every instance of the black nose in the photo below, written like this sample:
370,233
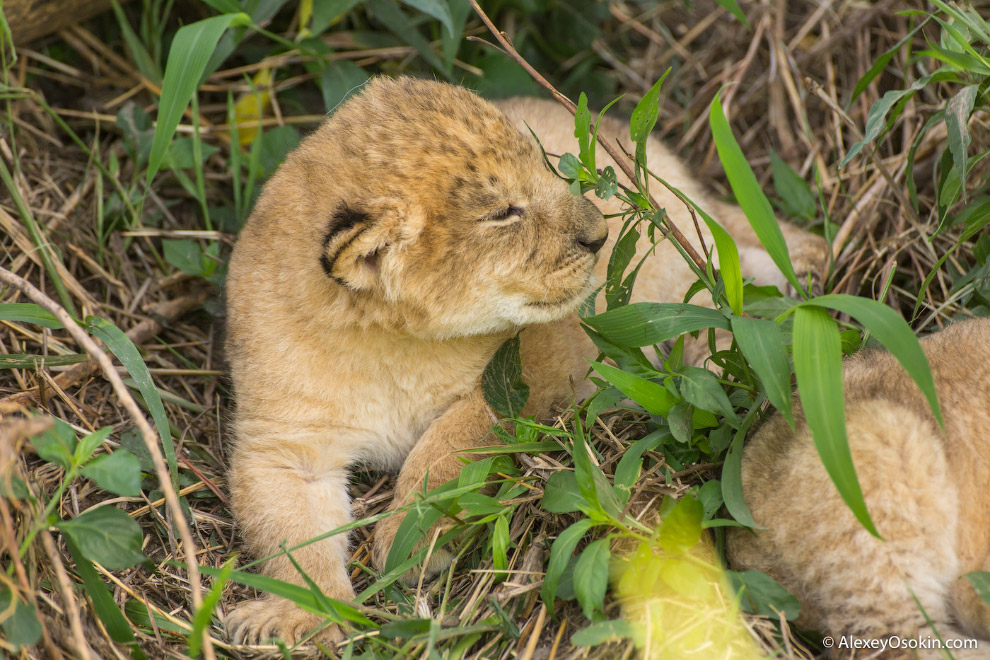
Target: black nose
593,244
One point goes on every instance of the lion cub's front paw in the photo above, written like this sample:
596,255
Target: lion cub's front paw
254,621
384,538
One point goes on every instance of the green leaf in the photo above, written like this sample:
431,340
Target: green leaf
818,367
438,9
56,445
764,596
88,445
732,492
747,191
119,473
628,468
981,582
644,118
733,8
191,50
106,535
406,628
561,494
607,184
29,313
877,117
896,336
681,529
122,347
339,81
728,262
591,576
798,200
880,64
701,388
646,324
326,12
106,608
957,112
762,344
21,627
603,631
560,555
582,131
500,544
388,12
502,382
654,398
184,254
139,54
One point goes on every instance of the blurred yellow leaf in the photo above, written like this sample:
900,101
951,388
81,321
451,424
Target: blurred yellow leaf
682,601
251,106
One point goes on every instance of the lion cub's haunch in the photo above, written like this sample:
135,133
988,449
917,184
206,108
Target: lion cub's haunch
384,263
926,490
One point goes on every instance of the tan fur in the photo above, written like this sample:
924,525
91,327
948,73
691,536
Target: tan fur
367,293
926,491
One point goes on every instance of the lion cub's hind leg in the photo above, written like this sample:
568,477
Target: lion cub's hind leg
849,582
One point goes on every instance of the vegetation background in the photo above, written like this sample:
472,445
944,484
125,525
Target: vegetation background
129,231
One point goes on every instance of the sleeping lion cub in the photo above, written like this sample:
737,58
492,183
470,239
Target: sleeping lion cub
926,490
389,257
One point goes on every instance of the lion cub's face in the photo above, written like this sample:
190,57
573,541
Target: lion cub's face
443,213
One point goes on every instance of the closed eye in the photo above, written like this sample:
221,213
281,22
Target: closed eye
502,215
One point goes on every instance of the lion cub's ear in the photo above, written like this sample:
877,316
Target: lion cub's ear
357,241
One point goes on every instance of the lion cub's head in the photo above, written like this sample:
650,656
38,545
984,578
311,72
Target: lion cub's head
432,212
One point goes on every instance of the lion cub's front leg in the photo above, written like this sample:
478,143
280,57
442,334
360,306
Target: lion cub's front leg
435,459
290,491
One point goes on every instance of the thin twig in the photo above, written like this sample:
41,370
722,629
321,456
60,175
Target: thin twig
147,432
68,601
567,103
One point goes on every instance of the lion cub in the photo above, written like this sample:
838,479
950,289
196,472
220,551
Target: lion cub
388,258
926,490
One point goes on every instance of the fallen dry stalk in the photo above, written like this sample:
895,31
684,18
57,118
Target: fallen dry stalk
148,434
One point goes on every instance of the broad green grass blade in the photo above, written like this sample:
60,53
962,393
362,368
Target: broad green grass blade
645,324
728,263
896,335
881,63
299,595
818,367
762,344
747,191
118,628
191,50
29,313
202,617
121,346
732,491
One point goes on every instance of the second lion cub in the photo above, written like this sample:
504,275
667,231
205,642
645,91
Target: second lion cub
926,490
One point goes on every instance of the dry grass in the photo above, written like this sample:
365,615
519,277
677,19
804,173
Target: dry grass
792,74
